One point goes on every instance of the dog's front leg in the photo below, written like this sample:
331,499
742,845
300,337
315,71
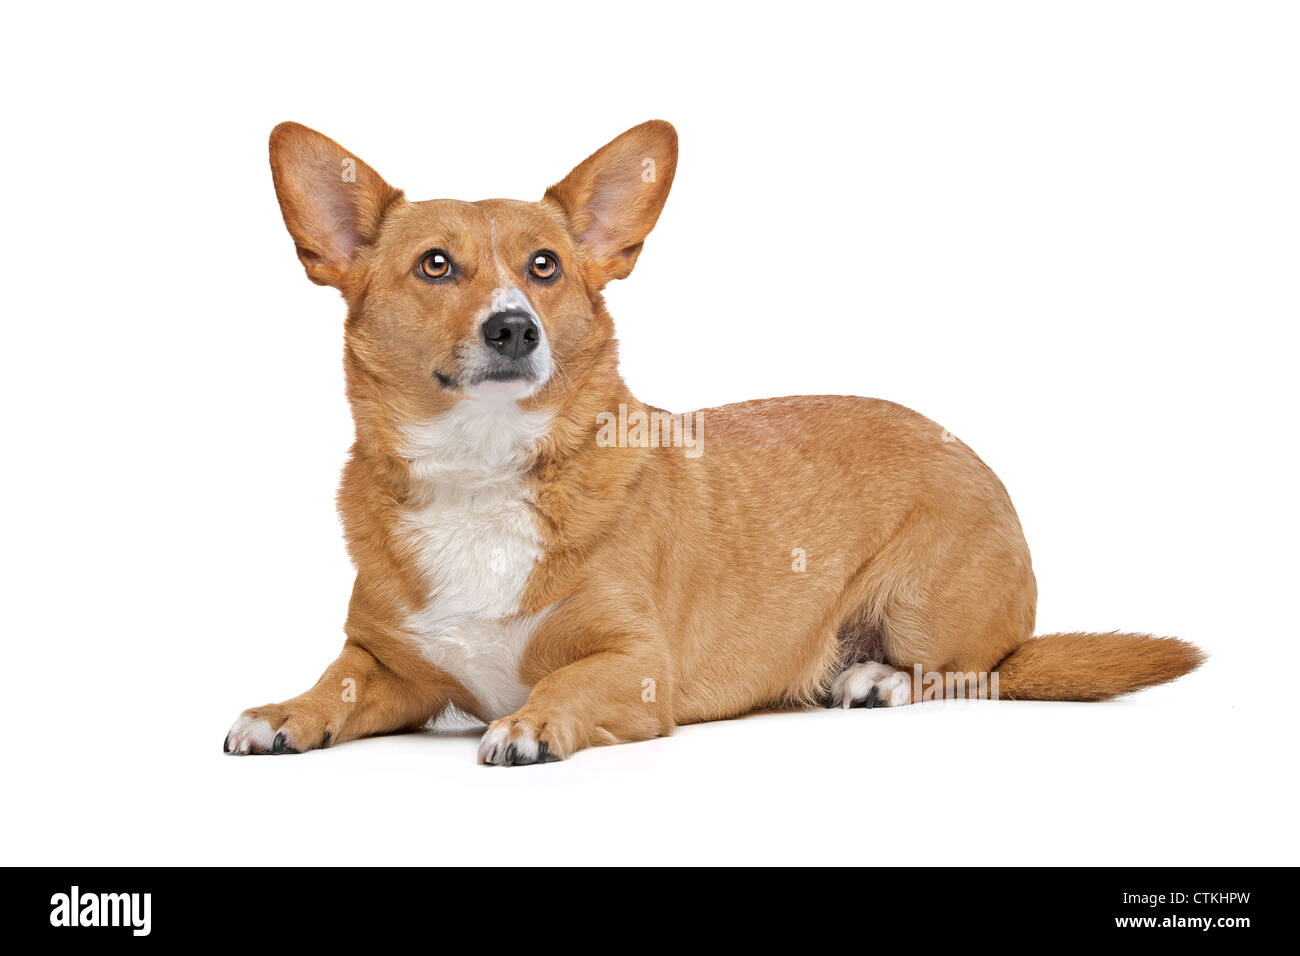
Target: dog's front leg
357,696
615,695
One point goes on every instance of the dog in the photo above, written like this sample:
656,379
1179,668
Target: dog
539,549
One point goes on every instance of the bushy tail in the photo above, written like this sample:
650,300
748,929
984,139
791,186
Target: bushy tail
1092,666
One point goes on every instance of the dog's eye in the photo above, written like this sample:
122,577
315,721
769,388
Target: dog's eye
544,266
435,265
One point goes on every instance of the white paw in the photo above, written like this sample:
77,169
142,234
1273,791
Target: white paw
508,744
871,684
250,735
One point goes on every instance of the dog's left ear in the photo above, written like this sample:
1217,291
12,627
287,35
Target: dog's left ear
613,199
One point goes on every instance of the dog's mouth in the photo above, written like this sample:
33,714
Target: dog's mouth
494,381
452,383
503,375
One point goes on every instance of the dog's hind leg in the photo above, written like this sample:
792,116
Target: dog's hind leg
864,679
871,684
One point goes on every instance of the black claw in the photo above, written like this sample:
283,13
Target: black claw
325,741
280,745
544,752
225,747
873,698
511,753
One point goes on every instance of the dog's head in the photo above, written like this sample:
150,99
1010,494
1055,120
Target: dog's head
448,301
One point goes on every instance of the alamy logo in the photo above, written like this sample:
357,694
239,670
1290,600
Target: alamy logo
651,429
102,909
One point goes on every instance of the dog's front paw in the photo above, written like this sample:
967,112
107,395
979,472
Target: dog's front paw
517,740
274,730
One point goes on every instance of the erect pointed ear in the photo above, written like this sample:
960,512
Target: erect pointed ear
332,202
614,198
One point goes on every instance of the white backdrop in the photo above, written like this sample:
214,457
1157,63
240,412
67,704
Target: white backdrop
1068,232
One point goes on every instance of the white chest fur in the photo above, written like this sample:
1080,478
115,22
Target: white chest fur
475,540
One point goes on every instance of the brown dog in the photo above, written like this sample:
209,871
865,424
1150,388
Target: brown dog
542,550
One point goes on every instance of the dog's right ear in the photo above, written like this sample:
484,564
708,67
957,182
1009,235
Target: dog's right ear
332,202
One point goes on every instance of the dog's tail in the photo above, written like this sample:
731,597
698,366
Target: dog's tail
1092,666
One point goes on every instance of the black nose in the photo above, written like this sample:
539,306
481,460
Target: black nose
513,333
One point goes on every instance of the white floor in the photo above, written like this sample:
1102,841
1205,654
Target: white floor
1172,776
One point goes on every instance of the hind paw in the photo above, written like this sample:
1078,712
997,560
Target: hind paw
871,684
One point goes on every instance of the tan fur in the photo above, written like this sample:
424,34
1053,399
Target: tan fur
660,570
1048,667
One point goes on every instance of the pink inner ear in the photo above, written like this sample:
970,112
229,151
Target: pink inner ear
335,203
608,209
341,220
